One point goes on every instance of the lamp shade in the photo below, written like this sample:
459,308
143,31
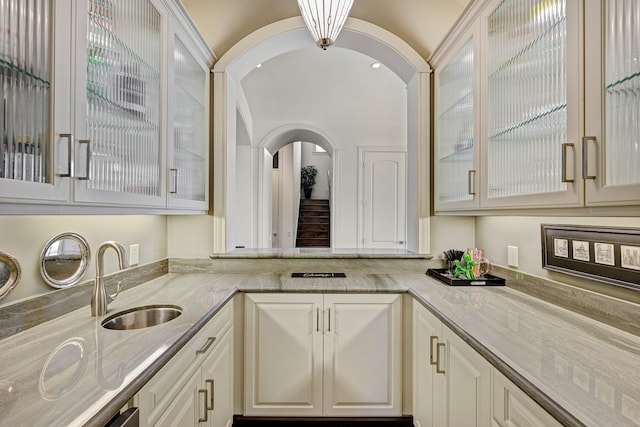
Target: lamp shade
325,18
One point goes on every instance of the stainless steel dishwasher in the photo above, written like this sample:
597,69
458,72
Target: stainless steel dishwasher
128,418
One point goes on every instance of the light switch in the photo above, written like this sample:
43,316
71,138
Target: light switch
134,254
512,256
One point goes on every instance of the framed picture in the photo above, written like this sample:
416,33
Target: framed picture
606,254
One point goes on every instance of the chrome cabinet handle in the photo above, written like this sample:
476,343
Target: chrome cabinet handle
564,161
70,154
317,320
173,188
432,339
205,418
210,405
206,345
585,157
471,182
329,319
88,167
439,370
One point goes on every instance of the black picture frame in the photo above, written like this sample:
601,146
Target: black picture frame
606,254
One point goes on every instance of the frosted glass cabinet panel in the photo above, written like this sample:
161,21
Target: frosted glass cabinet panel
27,167
456,159
532,104
611,149
188,170
119,153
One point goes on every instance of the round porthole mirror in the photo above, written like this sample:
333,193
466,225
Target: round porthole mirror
64,260
9,273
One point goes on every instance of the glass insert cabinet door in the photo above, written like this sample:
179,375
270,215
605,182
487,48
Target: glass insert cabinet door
119,147
188,174
532,104
456,153
27,37
611,147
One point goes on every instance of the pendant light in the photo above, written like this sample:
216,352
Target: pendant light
325,18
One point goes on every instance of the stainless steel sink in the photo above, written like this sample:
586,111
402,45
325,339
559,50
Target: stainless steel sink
142,317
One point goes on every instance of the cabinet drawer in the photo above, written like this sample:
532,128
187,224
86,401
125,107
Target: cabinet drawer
512,407
161,390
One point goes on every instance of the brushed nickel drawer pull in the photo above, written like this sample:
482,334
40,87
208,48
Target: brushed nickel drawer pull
88,165
432,339
585,157
70,154
329,319
206,413
206,346
211,383
564,161
317,320
438,368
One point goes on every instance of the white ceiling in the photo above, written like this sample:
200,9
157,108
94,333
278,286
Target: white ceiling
420,23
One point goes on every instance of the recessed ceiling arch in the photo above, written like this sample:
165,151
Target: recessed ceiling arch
283,135
291,34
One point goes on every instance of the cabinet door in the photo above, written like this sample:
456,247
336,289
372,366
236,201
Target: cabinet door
188,407
217,379
426,399
611,155
189,135
30,136
456,130
466,386
533,104
513,408
283,354
362,355
119,106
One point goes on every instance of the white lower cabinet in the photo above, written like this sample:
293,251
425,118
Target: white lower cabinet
323,355
513,408
196,387
451,381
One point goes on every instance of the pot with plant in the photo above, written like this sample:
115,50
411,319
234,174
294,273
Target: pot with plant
308,179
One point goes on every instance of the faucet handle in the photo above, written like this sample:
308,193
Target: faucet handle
111,297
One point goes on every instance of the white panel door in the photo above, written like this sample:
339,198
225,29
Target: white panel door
383,199
188,407
217,380
283,354
466,384
426,399
362,355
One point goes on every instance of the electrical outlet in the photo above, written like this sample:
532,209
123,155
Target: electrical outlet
512,256
134,254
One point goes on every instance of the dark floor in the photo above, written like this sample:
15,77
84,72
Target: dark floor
241,421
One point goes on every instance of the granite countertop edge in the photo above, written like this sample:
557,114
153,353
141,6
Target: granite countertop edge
417,286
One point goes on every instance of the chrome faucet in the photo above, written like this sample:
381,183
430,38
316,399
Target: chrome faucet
100,298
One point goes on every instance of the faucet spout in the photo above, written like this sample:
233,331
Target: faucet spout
99,297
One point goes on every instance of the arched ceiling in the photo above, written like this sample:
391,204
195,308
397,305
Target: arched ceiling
420,23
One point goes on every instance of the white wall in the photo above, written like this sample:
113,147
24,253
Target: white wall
24,238
322,161
495,233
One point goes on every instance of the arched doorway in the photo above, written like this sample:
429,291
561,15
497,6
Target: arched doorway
287,36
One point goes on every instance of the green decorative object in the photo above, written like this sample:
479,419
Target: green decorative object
464,267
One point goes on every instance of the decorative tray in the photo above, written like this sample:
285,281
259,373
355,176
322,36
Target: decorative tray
486,280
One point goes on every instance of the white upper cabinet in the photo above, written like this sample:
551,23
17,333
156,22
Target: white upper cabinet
34,157
611,147
90,126
188,178
118,94
556,116
531,108
456,166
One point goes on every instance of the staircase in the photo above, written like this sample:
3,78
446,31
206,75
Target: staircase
314,224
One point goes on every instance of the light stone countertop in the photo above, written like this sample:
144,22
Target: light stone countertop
71,371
